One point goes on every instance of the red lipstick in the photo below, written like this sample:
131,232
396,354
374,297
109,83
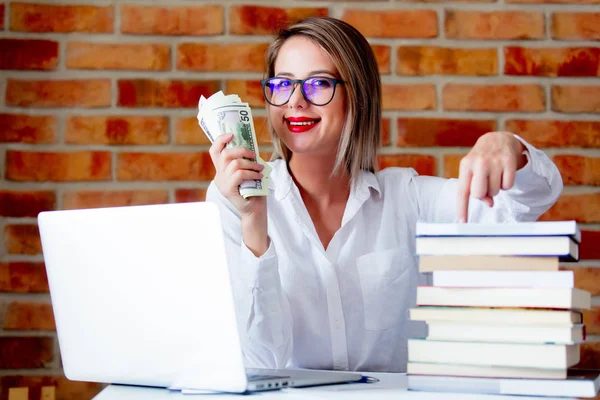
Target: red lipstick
301,124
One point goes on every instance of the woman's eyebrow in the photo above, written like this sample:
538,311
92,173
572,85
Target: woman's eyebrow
321,71
311,73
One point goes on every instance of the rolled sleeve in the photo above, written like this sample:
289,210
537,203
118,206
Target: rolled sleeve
538,184
257,272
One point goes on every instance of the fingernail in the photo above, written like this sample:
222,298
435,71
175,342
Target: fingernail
462,220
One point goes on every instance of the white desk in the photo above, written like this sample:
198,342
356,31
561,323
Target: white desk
391,386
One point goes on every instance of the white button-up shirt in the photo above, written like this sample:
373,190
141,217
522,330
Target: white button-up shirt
346,307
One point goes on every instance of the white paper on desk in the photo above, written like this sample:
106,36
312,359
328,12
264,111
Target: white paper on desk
203,392
386,381
200,391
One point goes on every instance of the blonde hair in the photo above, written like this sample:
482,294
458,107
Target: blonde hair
357,67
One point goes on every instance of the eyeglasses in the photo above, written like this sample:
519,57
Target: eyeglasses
317,90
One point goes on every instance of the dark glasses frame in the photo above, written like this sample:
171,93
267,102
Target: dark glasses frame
301,82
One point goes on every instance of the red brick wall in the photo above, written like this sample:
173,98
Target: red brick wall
98,98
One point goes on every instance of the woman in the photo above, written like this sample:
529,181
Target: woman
324,268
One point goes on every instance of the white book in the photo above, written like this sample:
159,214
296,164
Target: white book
482,332
561,298
543,228
578,384
488,263
550,279
561,246
496,316
551,356
488,371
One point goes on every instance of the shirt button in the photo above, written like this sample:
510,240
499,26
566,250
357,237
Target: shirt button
337,324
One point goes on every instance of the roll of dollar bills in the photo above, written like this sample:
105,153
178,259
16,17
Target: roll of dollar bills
219,115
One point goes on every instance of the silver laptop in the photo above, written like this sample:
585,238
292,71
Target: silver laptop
142,296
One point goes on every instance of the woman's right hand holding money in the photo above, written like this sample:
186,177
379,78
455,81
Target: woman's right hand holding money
232,168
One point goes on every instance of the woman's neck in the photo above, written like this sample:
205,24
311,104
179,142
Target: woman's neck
312,175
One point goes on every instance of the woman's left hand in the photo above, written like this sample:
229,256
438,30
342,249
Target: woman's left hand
489,166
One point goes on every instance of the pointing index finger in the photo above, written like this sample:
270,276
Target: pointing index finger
463,193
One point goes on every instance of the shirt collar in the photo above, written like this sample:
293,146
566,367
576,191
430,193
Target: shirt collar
281,182
365,181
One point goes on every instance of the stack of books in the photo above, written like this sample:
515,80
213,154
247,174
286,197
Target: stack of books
502,318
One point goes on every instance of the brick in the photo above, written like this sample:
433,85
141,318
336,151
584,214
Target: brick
578,170
20,204
591,319
30,17
586,278
151,20
23,277
584,208
145,57
190,195
58,167
499,98
572,98
436,60
25,352
588,248
47,392
188,132
575,25
394,23
555,133
421,132
258,20
590,356
263,135
451,165
118,198
18,128
423,164
64,389
249,91
386,138
247,57
494,25
22,239
165,167
64,93
117,130
382,56
574,61
412,97
18,393
164,93
29,316
22,54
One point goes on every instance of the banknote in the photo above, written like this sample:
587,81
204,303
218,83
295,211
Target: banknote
223,114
